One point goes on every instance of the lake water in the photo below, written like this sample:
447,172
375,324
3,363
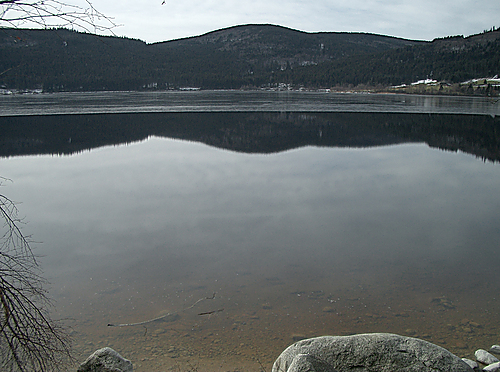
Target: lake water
228,101
306,214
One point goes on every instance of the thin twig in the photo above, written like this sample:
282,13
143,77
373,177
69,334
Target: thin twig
163,316
211,312
55,13
263,369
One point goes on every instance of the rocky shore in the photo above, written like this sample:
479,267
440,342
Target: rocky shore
361,353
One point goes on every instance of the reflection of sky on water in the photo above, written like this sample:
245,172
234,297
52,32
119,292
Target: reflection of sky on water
324,208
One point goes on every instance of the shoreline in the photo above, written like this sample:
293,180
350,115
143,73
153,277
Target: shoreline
437,89
236,363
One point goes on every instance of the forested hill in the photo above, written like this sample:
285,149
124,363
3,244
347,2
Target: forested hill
451,59
237,57
230,58
280,47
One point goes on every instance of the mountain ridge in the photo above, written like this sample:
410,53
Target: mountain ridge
235,27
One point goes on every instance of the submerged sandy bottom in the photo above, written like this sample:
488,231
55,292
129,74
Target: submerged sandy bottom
255,315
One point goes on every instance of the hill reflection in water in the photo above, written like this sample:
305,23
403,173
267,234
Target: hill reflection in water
251,132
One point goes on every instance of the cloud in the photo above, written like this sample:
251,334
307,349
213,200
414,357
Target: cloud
413,19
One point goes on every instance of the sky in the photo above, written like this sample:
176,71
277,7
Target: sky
152,21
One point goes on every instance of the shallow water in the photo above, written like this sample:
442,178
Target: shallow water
310,241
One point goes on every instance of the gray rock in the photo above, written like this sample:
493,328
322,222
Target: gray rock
484,357
471,363
306,363
106,360
494,367
495,349
382,352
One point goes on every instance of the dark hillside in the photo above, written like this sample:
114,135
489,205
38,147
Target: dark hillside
67,60
453,60
229,58
267,44
237,57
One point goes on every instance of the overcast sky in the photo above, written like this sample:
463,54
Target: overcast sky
151,21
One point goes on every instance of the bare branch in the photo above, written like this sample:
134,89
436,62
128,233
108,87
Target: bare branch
54,13
29,339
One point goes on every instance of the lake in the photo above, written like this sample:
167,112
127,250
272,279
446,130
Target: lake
258,218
